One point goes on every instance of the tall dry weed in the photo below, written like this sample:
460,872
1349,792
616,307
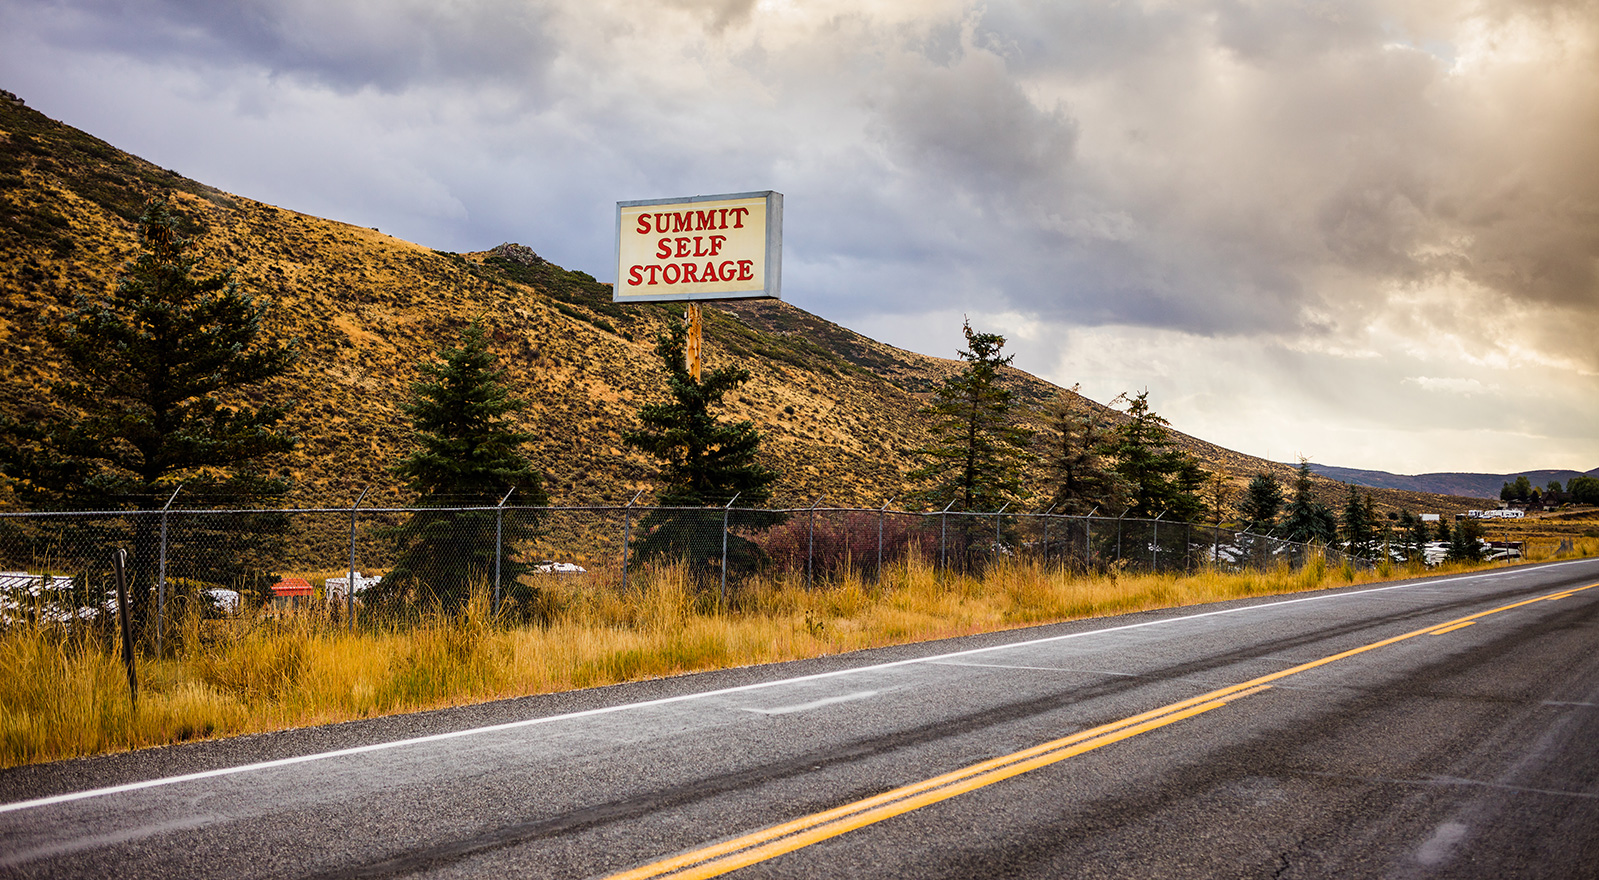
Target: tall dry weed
64,696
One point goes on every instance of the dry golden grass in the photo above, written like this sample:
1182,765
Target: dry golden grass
65,697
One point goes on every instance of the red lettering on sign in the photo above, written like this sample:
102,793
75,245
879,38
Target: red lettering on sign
643,224
691,273
663,251
682,247
710,272
635,276
671,274
738,217
704,220
746,270
652,269
725,271
716,245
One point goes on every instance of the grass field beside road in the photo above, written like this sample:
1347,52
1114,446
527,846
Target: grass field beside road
65,696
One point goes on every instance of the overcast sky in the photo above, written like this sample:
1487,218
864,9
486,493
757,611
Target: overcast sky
1363,232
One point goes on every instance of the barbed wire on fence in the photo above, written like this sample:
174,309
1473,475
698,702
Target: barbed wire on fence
57,564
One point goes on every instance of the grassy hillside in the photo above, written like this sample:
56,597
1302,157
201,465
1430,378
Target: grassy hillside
838,410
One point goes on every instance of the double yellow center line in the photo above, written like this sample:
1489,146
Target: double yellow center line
730,855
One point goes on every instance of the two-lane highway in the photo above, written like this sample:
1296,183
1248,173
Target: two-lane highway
1441,727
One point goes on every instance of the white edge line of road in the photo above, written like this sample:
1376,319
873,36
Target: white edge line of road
680,698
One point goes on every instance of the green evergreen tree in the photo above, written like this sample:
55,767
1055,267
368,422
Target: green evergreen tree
1263,500
1412,535
1308,520
1356,525
703,462
1076,433
1583,489
977,449
1160,478
1217,493
1381,529
1463,543
468,453
158,371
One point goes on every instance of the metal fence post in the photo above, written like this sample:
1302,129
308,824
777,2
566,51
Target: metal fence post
1088,539
881,512
999,517
1046,532
161,578
499,516
1154,564
810,543
627,535
349,589
119,564
725,512
943,530
1119,536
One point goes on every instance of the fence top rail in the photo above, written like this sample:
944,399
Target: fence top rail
641,510
553,508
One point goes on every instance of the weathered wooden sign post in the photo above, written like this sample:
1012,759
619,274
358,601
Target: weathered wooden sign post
701,248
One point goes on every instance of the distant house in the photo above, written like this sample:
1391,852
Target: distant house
291,593
1496,514
336,588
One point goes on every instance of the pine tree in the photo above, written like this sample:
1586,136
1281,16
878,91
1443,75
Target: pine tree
1081,478
468,454
1308,520
1217,492
1412,535
1356,528
977,449
1381,529
1263,500
1161,479
155,396
1463,543
703,461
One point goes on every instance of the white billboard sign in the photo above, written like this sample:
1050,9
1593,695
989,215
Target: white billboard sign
705,247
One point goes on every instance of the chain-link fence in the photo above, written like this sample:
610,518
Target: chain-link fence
58,565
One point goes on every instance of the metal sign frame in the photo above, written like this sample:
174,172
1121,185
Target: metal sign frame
768,287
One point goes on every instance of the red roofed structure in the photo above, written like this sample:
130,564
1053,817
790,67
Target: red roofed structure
291,592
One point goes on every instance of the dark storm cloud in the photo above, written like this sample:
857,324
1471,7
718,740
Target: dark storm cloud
346,46
1263,145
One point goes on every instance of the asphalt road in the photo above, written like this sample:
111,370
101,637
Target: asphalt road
1350,733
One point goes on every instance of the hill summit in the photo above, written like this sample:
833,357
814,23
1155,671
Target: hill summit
838,411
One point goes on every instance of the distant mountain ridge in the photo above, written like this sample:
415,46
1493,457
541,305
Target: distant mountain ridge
1464,485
